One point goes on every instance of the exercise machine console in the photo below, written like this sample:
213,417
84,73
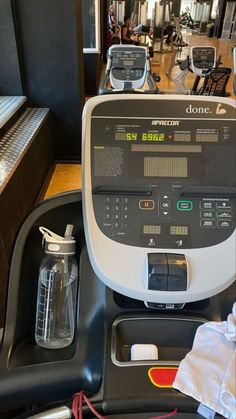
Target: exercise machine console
202,62
128,70
159,217
202,58
159,196
199,61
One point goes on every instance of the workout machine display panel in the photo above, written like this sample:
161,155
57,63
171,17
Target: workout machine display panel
150,180
128,64
202,59
162,182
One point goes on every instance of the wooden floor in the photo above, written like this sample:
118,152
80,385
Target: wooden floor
67,177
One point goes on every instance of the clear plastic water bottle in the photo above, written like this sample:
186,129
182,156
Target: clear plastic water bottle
57,289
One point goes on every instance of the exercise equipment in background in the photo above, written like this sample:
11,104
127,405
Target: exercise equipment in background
202,62
128,70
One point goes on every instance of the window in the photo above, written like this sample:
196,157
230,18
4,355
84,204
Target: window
91,25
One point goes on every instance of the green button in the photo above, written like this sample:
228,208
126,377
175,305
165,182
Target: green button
184,205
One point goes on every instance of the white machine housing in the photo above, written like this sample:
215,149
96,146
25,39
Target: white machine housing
124,268
131,59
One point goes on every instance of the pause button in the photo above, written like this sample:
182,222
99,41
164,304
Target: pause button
146,204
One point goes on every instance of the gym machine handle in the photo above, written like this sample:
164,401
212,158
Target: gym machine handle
103,84
208,191
153,89
185,64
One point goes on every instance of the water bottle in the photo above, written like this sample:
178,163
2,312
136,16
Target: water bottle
57,289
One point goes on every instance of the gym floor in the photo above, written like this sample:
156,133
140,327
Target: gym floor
66,177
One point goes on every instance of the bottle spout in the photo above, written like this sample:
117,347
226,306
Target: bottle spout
57,244
68,231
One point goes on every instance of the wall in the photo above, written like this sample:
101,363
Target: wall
41,45
10,77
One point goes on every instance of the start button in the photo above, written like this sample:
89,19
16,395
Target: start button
184,205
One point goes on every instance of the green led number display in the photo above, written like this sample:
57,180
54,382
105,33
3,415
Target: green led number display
146,136
131,136
153,136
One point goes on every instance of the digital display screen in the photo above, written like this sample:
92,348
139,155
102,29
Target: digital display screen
178,230
128,63
131,136
145,136
203,57
165,166
151,229
153,136
182,136
126,136
166,148
207,138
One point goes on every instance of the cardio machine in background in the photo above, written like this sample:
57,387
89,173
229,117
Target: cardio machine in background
202,62
158,261
128,70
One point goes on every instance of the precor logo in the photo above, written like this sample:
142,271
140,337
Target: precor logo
197,110
165,122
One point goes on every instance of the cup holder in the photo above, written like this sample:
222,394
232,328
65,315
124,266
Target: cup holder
173,337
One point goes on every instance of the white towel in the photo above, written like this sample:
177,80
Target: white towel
208,371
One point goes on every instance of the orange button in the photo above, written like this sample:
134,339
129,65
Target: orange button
162,377
146,204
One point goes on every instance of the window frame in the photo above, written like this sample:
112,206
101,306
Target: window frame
97,48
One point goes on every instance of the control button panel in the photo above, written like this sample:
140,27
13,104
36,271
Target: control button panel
164,220
127,73
216,214
116,217
165,205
